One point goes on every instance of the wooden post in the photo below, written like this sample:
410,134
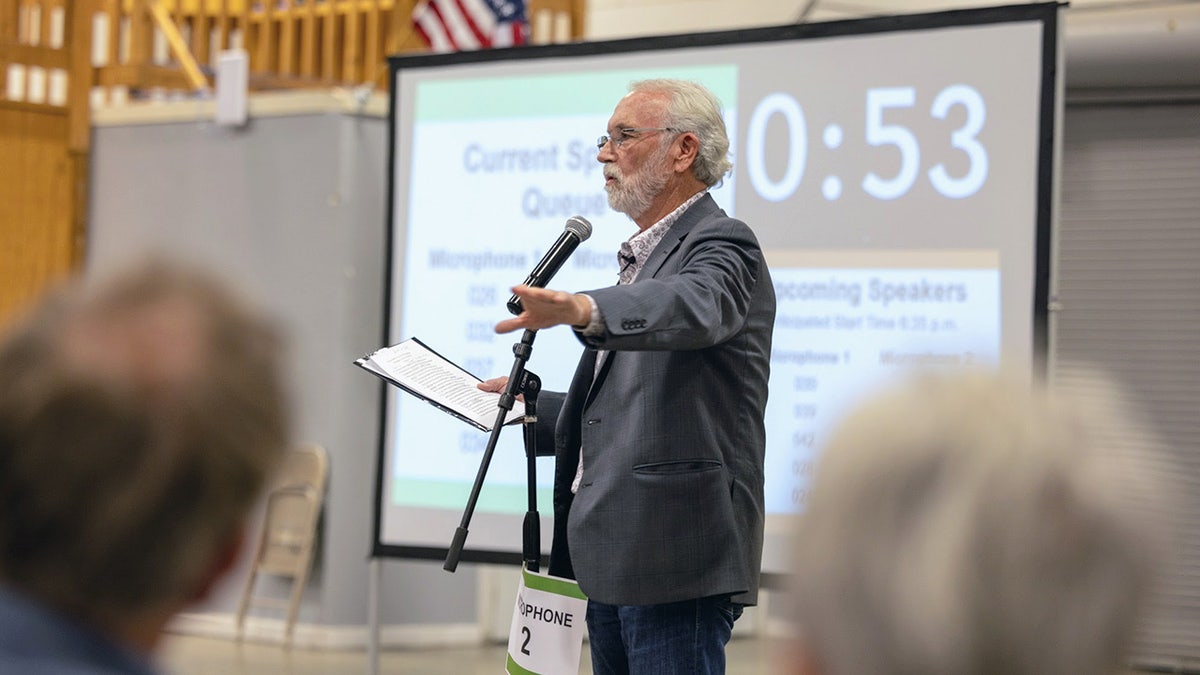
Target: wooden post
266,37
140,35
248,40
117,34
578,19
9,11
201,37
372,44
222,25
77,39
287,39
352,56
308,41
331,43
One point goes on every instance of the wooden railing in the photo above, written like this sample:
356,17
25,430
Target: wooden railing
57,57
43,45
321,42
45,80
289,43
173,44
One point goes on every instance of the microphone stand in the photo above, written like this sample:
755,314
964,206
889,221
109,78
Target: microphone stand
520,381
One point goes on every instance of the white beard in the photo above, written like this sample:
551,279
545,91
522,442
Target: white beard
633,194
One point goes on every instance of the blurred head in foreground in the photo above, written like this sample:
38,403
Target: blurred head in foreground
139,419
967,524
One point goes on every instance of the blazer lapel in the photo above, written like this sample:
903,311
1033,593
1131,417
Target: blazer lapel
675,236
598,380
703,207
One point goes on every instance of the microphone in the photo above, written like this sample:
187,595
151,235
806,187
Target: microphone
577,230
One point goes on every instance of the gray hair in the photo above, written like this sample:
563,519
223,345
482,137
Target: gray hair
139,420
971,524
692,107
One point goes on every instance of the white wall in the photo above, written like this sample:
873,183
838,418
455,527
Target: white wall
1110,42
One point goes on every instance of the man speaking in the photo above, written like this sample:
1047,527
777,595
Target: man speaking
659,440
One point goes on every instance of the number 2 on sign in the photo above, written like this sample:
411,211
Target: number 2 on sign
525,644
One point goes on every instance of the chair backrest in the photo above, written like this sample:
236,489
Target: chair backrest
293,510
289,536
306,466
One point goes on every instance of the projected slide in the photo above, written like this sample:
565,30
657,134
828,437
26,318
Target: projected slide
895,172
519,169
843,328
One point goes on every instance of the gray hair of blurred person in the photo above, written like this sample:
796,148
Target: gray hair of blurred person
973,524
692,107
139,420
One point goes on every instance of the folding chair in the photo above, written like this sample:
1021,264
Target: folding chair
288,539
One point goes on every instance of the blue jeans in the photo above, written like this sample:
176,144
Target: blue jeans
679,637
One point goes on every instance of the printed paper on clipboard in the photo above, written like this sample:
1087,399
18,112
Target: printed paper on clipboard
412,366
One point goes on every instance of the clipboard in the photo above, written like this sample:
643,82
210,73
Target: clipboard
417,369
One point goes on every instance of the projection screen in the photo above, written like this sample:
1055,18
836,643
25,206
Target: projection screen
898,172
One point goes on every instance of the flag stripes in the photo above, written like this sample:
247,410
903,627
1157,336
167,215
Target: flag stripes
459,25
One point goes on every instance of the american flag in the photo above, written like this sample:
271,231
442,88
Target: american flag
461,25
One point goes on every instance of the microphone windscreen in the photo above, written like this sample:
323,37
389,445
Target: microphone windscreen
579,226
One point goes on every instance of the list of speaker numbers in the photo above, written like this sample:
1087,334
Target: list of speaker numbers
802,472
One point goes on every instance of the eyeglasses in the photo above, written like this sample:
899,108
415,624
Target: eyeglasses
621,135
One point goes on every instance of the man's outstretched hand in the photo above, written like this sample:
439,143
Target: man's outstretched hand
545,308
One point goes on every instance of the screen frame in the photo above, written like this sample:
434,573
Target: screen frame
1046,188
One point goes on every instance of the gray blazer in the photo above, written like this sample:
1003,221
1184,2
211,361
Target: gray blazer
670,506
